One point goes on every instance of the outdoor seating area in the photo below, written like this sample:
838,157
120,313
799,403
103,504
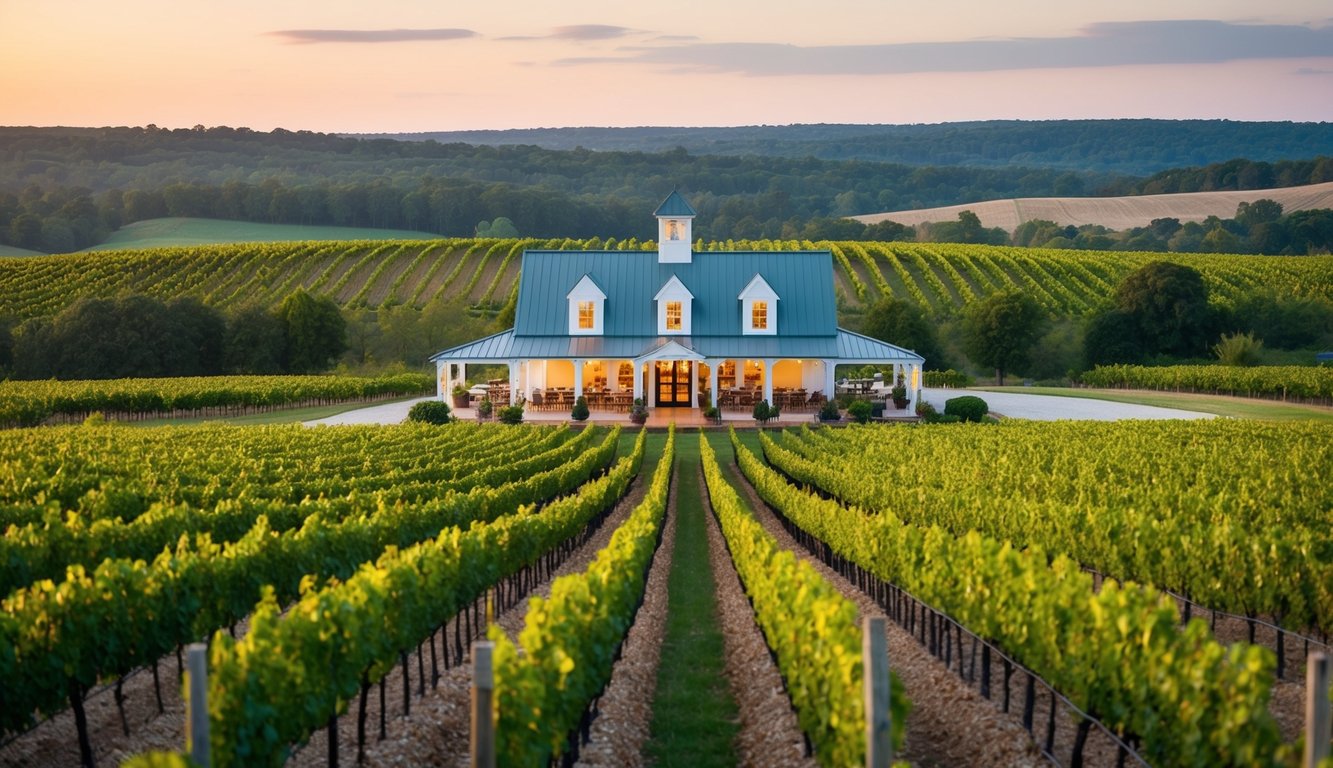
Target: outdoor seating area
785,399
562,399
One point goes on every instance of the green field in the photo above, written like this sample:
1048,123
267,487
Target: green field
9,250
942,278
165,233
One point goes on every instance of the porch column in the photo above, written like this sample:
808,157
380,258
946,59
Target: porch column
712,381
828,378
578,378
768,380
513,382
694,383
913,387
638,379
439,379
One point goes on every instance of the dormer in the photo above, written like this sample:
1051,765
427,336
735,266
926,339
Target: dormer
674,308
587,308
759,308
674,241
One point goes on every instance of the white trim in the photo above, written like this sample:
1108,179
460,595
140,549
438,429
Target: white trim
670,350
586,290
757,290
674,290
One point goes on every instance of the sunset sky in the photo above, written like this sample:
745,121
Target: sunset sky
420,65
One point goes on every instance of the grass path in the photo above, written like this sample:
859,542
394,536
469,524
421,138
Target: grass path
694,714
1222,405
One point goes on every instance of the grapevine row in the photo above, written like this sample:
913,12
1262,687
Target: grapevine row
570,640
1117,653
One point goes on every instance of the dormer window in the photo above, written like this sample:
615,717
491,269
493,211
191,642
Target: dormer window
587,308
759,315
673,314
673,308
759,308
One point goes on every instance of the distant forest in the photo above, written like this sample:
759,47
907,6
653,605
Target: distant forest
63,189
1124,147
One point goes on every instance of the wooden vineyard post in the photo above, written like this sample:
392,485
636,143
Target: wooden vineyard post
196,715
875,663
1318,718
483,689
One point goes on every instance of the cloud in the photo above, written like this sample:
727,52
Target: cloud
579,32
590,32
1100,45
1313,71
371,35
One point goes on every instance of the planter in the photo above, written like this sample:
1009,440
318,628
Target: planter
638,419
900,404
462,401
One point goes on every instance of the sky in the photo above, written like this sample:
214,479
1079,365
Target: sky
351,66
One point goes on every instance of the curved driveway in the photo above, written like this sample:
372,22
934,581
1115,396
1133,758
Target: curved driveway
1052,408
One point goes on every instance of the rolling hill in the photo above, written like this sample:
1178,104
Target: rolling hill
483,273
1114,212
177,231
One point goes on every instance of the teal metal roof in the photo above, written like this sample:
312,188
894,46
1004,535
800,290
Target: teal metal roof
845,345
803,281
674,205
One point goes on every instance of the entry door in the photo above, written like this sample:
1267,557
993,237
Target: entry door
672,382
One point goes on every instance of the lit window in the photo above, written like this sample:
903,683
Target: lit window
673,313
586,318
759,315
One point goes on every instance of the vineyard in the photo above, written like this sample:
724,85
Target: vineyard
484,273
29,403
322,565
1274,381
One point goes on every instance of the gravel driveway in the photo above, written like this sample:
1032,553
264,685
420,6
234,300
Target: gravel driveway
1052,408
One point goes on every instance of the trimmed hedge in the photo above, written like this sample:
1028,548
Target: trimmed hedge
966,408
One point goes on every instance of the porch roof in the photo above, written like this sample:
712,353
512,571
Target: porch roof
845,346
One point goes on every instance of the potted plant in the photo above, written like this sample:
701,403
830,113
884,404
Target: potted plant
713,414
580,412
899,394
484,409
461,397
638,413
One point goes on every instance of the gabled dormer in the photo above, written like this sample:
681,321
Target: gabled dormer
674,305
759,308
674,219
587,308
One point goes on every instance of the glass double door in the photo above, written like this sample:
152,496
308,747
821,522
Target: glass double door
671,382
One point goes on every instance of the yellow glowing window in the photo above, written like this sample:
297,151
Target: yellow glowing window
673,312
586,315
759,315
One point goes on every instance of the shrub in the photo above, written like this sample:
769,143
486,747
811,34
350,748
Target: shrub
485,407
949,378
829,411
1240,349
580,412
710,412
859,410
511,415
430,412
966,408
877,409
762,412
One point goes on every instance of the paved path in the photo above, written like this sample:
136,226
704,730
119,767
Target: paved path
1013,405
1052,408
388,413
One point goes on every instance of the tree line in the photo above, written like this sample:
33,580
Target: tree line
136,336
